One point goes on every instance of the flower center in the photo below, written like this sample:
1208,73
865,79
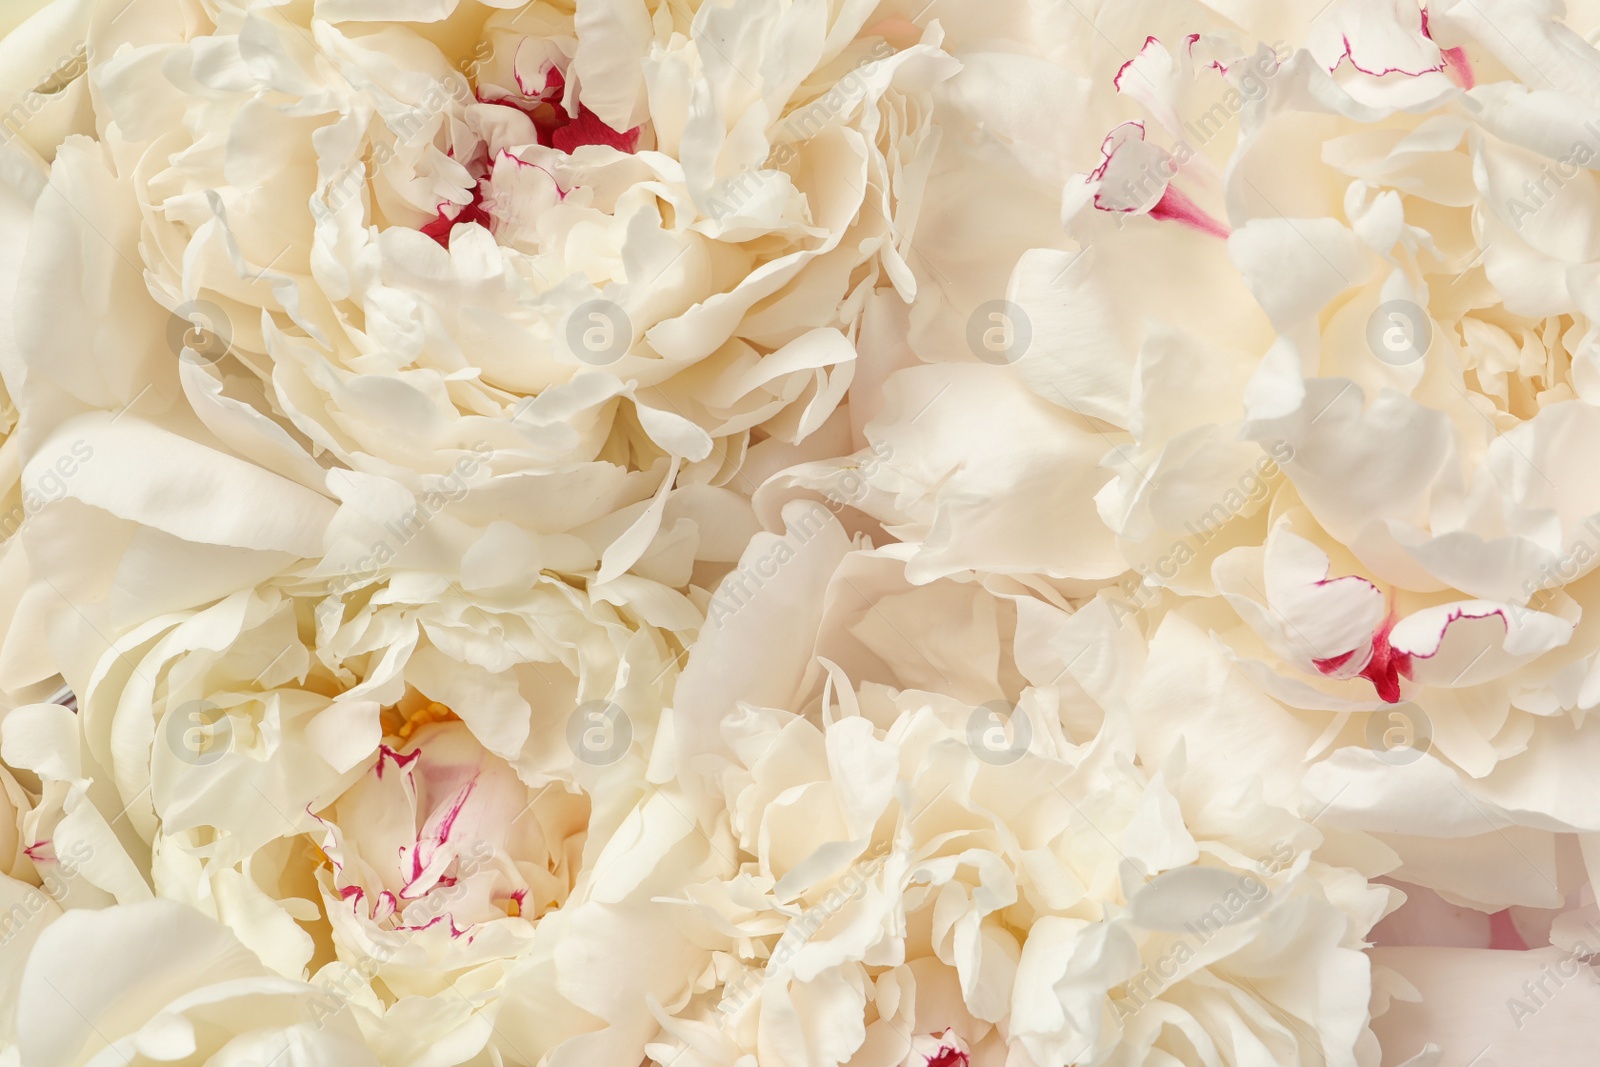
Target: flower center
939,1049
440,834
553,128
426,715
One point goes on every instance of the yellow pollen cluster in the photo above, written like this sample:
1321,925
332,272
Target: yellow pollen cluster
426,715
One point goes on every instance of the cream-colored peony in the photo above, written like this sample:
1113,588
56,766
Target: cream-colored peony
392,793
430,268
1173,429
593,253
1320,307
949,859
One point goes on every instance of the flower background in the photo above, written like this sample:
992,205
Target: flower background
794,533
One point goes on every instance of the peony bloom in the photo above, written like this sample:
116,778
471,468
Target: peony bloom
386,795
454,204
1003,876
788,535
1320,289
439,857
590,241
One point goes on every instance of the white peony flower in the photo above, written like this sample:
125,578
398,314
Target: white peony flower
437,849
999,877
1323,294
262,760
773,534
586,238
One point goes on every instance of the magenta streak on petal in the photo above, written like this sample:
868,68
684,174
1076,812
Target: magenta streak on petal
1099,173
444,222
1456,64
1387,70
1176,206
1116,81
948,1057
351,891
419,864
455,931
554,81
399,760
516,74
1458,67
1216,64
333,840
1384,666
561,131
588,129
1455,617
455,811
1173,205
560,192
1334,664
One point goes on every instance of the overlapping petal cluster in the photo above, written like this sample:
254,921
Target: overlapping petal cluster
799,533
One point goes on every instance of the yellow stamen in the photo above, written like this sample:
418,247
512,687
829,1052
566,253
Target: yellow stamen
426,715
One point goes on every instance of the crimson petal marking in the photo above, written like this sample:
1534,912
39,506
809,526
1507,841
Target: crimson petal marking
587,128
505,153
440,228
429,850
1452,61
1384,666
1176,206
554,128
1116,80
1458,67
1456,64
1387,665
455,931
384,751
1216,64
1334,664
1380,73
